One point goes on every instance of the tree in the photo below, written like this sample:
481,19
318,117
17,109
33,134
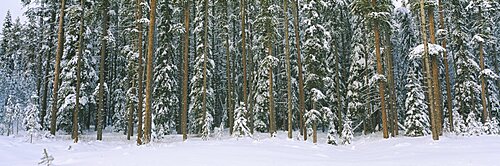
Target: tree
104,41
165,92
240,128
201,110
474,126
60,45
295,12
347,131
31,118
288,72
139,25
376,14
78,73
185,77
417,121
329,117
149,66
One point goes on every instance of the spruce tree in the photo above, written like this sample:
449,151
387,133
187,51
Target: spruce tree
417,119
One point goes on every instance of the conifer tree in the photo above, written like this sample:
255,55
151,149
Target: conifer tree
417,120
31,120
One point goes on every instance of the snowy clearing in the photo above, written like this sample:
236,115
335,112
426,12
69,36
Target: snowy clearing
366,150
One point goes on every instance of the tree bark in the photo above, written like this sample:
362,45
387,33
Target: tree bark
243,55
185,73
149,68
104,43
139,72
380,72
483,79
272,119
435,134
78,73
392,89
295,12
446,69
288,72
60,49
435,73
230,114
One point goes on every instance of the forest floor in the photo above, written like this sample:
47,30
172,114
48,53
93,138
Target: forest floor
369,150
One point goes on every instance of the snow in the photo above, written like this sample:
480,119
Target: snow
365,150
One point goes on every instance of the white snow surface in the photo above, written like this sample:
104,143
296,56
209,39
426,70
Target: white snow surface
261,151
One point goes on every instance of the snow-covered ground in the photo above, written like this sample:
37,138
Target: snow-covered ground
369,150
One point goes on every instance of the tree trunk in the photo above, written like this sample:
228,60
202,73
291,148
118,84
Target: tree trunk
272,119
435,74
435,134
337,91
43,112
185,73
78,73
230,114
446,69
243,55
380,72
60,49
295,12
104,43
149,68
483,79
288,72
392,89
139,72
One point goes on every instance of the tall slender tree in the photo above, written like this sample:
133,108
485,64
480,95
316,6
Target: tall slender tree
60,45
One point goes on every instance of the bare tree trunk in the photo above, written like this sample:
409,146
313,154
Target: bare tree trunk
392,90
60,45
380,72
288,72
435,74
272,118
185,74
446,69
101,68
483,80
149,70
295,12
230,110
78,73
435,134
139,72
243,56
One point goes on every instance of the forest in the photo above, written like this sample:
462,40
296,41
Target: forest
201,68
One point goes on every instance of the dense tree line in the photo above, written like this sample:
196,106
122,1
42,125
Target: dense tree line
345,67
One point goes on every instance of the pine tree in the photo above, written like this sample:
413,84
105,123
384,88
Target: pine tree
492,126
202,94
417,120
329,117
474,126
240,128
60,51
347,131
357,86
459,126
31,118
